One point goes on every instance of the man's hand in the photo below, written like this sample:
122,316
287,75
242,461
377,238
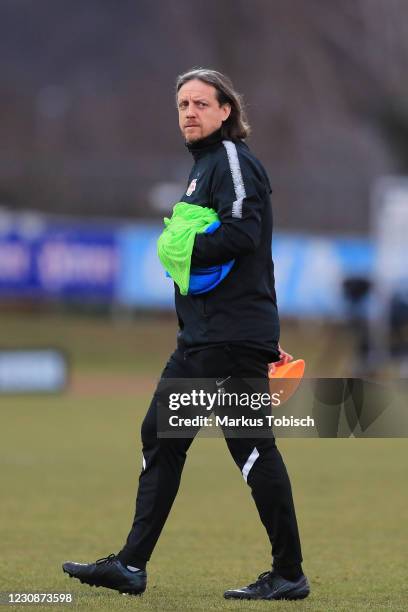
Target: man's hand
284,359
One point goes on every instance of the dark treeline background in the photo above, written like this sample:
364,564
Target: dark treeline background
87,116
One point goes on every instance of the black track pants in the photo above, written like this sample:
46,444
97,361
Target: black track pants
258,459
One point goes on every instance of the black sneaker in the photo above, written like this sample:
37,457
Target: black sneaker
108,572
272,586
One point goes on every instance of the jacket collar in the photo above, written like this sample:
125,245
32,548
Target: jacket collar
199,147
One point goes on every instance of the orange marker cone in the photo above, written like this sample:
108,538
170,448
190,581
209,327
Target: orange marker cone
293,369
286,378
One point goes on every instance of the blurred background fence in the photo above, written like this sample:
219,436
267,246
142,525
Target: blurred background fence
87,116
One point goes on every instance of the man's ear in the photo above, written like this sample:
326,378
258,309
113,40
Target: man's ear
227,110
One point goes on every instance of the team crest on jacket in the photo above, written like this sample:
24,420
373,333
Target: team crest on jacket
191,187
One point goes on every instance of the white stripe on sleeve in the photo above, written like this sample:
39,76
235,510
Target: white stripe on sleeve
237,179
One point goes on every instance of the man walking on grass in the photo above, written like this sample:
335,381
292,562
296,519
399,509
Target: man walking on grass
230,331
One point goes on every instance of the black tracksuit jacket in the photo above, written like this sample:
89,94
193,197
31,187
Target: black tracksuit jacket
242,309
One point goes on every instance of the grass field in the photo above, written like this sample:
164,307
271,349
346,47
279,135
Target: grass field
70,463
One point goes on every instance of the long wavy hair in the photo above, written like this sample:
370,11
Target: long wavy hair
236,126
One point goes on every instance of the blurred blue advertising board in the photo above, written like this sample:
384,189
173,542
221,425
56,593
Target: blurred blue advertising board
119,263
58,260
142,281
309,271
